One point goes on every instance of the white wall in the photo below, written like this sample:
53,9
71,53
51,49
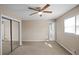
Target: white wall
69,41
34,30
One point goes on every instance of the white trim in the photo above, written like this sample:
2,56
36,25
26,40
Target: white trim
20,32
1,33
10,18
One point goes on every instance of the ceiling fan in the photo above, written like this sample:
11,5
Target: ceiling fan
40,10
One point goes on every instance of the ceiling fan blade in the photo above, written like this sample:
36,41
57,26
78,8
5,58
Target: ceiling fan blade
46,6
34,13
47,11
33,9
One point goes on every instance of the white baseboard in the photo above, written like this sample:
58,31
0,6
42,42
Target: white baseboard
35,40
31,41
66,48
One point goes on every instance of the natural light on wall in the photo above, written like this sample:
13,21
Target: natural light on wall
70,25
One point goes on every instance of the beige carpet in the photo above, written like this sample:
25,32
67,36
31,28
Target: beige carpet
40,48
6,47
0,50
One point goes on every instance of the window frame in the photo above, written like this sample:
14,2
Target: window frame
74,25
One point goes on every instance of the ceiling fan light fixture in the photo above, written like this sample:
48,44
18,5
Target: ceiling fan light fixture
40,13
40,10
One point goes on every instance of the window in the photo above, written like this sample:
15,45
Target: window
69,25
77,25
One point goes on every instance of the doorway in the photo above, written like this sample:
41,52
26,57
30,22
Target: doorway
51,31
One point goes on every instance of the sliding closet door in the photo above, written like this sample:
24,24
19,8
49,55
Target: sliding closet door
15,34
6,42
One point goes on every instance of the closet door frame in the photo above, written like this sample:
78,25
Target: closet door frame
11,19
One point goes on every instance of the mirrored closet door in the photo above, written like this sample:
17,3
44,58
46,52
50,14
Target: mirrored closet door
6,41
15,34
10,35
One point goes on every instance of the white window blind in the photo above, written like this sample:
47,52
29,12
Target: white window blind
69,25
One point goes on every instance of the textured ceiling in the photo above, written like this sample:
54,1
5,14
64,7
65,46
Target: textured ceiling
23,11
